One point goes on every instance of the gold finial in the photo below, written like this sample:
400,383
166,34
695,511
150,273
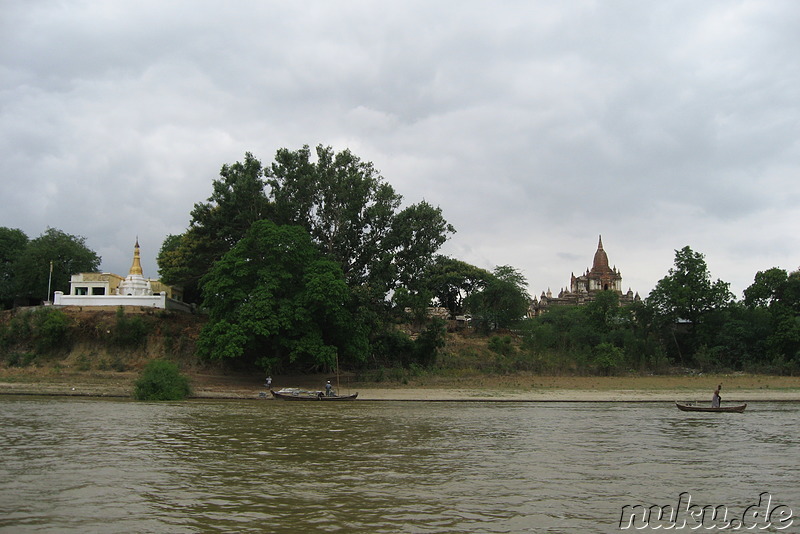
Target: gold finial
136,268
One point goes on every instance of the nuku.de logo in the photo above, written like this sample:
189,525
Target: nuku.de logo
686,515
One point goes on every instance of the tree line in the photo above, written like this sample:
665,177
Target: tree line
314,261
688,320
31,269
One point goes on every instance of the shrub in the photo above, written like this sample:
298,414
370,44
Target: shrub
129,332
430,340
501,345
607,358
161,380
18,331
392,347
20,359
83,363
51,328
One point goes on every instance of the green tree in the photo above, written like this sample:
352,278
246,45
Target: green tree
341,201
129,332
430,340
451,281
604,311
502,303
182,261
687,294
600,336
417,232
767,288
68,255
274,299
238,200
351,214
779,293
12,244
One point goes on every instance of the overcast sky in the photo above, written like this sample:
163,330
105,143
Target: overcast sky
535,125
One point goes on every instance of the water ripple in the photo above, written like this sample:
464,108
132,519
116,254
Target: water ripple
81,465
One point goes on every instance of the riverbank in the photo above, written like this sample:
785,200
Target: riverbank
521,387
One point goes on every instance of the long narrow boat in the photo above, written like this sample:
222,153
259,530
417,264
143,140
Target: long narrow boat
723,409
303,395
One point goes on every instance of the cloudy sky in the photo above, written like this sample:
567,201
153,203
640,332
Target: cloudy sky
535,125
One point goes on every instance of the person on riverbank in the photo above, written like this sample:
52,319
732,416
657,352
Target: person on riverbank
716,400
269,382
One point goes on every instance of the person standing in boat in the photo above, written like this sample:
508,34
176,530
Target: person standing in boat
328,389
716,400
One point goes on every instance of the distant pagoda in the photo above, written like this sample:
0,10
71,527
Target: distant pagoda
584,288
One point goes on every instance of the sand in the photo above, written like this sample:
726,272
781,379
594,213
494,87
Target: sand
668,388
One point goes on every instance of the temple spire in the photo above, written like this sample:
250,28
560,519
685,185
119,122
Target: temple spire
600,263
136,267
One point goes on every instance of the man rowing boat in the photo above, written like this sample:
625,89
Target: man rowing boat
716,400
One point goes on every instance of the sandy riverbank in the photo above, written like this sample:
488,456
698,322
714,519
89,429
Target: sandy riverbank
738,387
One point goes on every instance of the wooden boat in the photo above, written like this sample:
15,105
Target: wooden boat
295,394
723,409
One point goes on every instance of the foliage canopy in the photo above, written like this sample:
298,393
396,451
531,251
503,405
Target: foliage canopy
687,291
503,301
276,299
352,215
25,265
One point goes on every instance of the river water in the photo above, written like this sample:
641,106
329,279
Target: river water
98,465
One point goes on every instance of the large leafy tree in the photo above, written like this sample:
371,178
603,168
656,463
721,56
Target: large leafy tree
451,281
687,292
771,287
503,302
183,260
276,300
778,292
237,201
340,200
12,244
352,214
687,295
604,311
67,253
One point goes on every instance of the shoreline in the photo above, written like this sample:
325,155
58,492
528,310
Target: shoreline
518,388
566,396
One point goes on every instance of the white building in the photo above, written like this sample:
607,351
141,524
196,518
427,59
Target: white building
108,289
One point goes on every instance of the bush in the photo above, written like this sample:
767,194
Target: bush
501,345
51,328
393,347
20,359
607,358
18,332
161,380
83,363
427,345
130,332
